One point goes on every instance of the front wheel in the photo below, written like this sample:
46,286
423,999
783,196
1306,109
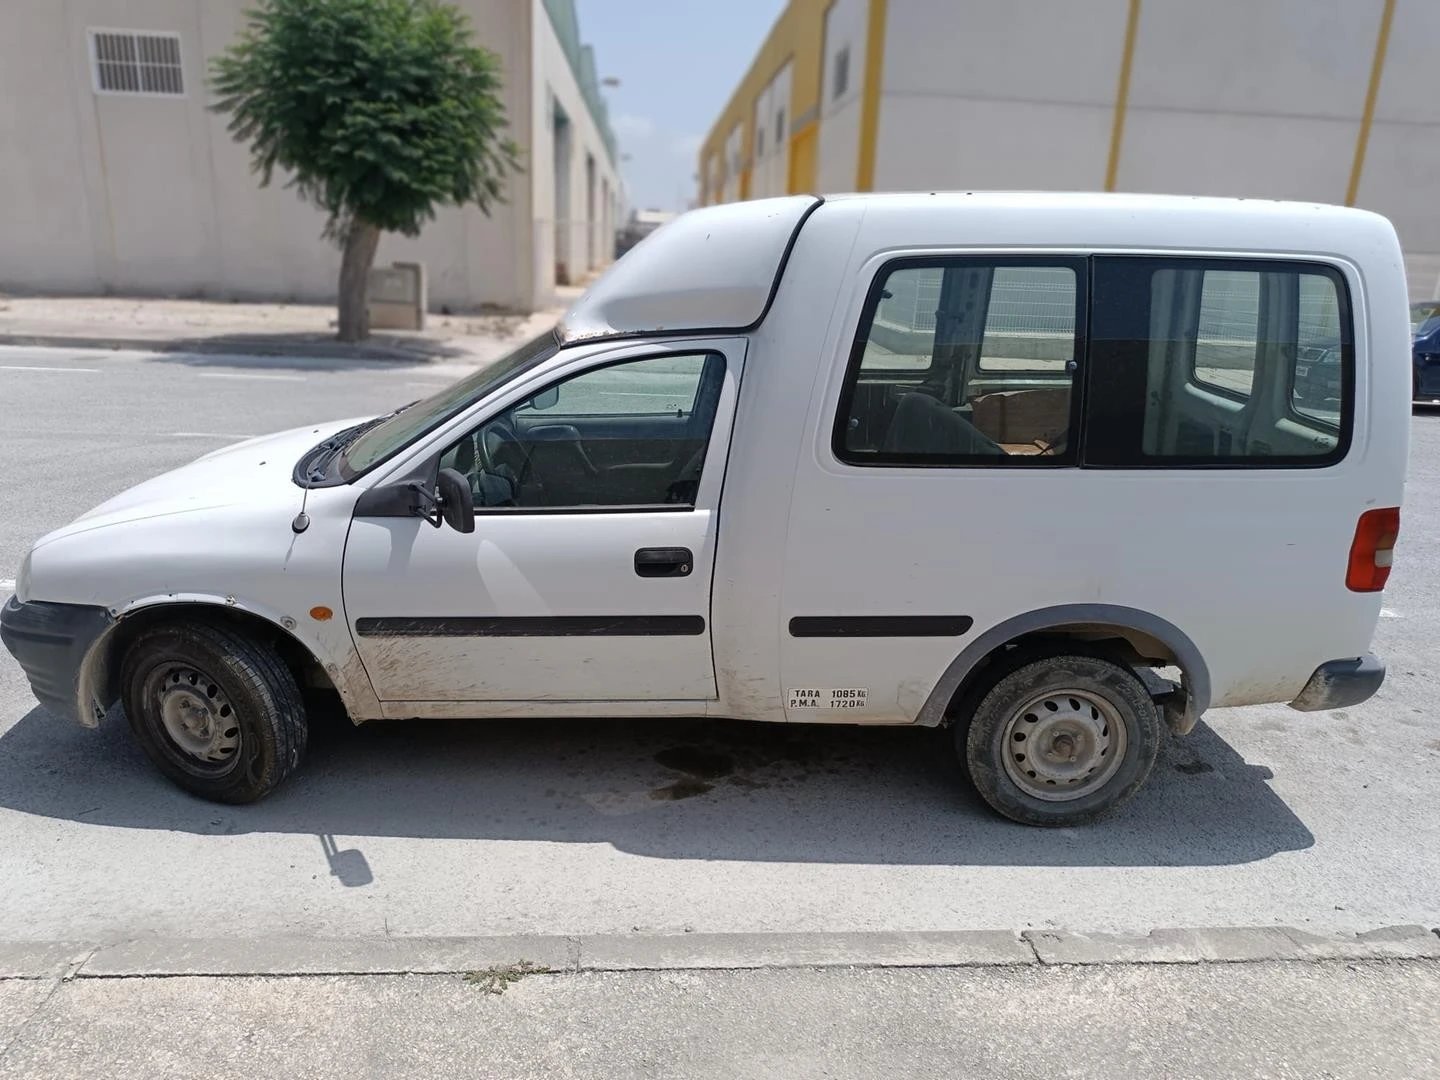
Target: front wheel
218,713
1061,740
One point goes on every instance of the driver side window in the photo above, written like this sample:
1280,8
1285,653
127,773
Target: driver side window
627,434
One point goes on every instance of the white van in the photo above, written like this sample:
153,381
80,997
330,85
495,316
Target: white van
1052,470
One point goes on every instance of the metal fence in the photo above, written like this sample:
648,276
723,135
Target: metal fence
1230,307
1023,300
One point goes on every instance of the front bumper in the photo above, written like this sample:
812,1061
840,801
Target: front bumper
1338,684
50,642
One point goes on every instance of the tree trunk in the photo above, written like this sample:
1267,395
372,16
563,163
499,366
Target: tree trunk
361,240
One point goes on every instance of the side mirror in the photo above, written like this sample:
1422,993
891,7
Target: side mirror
457,504
546,399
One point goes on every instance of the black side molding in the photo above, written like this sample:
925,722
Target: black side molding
880,625
535,626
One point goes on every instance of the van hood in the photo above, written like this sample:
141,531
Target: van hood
257,470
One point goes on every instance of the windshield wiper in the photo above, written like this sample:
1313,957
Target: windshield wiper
317,460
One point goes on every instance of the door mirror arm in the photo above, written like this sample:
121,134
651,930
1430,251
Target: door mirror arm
426,503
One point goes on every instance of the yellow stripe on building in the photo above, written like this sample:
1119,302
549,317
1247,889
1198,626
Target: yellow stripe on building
1122,96
870,102
797,38
1372,93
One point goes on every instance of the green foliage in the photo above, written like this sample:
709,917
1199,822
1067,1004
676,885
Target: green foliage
381,110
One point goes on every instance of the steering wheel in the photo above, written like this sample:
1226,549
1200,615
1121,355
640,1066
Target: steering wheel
502,454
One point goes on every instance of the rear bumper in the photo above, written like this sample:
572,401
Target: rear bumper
50,642
1341,683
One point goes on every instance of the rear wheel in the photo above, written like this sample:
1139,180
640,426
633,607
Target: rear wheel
1061,740
218,713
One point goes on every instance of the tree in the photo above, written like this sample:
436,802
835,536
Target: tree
379,111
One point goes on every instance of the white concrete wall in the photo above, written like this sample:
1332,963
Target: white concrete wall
771,172
136,194
1244,98
563,233
1402,168
998,96
839,145
1258,98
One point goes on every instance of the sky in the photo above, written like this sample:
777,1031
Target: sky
678,62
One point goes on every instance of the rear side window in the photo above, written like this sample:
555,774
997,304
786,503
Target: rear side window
1215,362
966,361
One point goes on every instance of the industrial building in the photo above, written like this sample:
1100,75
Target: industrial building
1327,100
117,176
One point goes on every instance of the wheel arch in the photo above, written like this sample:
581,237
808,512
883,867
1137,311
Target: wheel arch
97,686
1143,639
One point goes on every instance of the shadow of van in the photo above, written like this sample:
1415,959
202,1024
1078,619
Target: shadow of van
691,789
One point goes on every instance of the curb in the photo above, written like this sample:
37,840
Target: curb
308,349
308,956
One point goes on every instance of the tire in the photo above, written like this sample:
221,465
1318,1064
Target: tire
1060,740
218,713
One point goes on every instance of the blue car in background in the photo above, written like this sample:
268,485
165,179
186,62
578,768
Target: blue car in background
1425,350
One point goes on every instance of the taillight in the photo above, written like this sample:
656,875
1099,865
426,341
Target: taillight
1371,550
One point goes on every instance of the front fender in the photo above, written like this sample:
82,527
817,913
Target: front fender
326,641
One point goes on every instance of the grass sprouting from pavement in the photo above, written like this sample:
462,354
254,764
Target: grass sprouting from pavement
496,980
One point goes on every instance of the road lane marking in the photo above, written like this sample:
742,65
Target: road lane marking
250,375
1386,613
207,435
49,367
7,585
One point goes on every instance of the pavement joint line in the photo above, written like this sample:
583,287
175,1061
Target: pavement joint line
293,956
34,1013
403,972
76,966
1033,950
573,954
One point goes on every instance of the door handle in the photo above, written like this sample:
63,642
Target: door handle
664,562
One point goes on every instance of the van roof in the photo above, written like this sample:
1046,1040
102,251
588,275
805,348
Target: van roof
716,268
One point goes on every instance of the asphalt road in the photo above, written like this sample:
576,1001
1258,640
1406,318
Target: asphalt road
1262,816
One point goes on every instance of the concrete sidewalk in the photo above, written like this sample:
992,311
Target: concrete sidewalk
1333,1019
202,326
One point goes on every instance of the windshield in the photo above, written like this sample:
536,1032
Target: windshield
397,432
1422,316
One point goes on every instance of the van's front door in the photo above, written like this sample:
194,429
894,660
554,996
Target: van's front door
587,577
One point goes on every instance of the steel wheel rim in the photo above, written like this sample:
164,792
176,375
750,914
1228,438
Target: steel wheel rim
1063,745
195,718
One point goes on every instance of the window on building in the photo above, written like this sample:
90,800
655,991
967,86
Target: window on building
840,81
950,368
1234,363
779,126
759,143
129,62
